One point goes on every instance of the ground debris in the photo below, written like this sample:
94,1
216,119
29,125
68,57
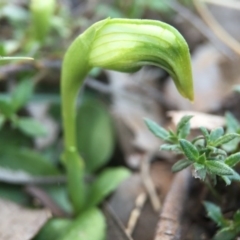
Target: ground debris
19,223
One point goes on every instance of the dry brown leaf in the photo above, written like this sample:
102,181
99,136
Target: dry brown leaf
19,223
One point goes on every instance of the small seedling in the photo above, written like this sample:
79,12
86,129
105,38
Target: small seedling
229,229
42,12
209,159
10,105
204,153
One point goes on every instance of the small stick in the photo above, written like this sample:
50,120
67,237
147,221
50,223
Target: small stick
114,222
148,183
19,177
135,214
200,26
45,200
168,227
216,27
229,3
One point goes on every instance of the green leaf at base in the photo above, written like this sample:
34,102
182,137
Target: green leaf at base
95,134
90,225
31,127
54,229
105,183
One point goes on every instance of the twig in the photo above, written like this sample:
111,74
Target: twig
135,214
115,223
216,27
229,3
200,26
45,200
148,183
169,223
20,177
14,68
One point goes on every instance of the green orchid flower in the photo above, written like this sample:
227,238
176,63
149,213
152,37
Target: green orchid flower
122,45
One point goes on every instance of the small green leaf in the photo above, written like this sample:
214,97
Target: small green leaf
205,132
28,161
6,107
31,127
183,127
95,134
218,168
224,139
189,150
54,229
2,121
227,180
216,134
233,126
214,212
215,150
198,166
200,171
202,159
59,194
236,217
22,94
90,225
235,176
225,234
157,130
201,174
231,146
181,164
233,159
231,123
170,147
105,183
173,138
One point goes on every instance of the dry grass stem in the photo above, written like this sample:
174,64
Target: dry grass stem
216,27
229,3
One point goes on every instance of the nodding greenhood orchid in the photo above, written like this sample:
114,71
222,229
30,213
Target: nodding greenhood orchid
122,45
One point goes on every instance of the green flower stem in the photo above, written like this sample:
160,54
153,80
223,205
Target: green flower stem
122,45
15,58
42,12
